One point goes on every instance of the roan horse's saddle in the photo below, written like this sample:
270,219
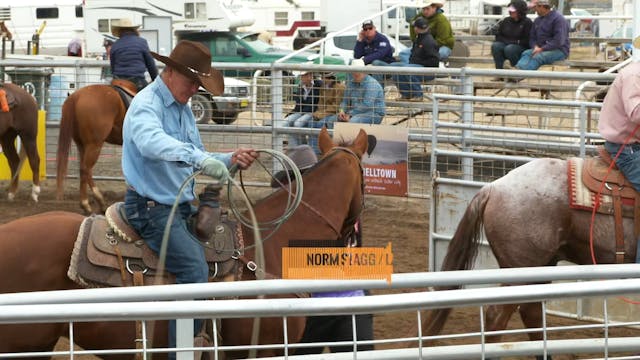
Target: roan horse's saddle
615,197
108,252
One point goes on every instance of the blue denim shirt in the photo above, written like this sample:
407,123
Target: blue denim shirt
161,145
366,97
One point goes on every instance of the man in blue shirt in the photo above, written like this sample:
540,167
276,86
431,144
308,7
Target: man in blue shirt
130,56
363,101
548,40
161,149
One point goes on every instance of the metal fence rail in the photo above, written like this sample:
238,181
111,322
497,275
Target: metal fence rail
169,301
496,103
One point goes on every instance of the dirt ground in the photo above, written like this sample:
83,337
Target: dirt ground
402,221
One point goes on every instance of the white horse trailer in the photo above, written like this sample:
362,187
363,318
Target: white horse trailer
44,26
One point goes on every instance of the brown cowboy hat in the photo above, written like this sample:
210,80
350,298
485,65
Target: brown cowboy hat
193,60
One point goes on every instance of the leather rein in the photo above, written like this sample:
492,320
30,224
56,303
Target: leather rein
343,231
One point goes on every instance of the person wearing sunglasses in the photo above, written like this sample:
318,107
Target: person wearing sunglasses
372,47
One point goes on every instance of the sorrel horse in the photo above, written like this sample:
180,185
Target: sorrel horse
91,116
22,121
36,250
527,222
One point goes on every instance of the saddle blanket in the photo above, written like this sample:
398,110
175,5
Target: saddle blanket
581,197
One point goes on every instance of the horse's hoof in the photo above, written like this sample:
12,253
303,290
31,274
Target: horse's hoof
84,205
35,192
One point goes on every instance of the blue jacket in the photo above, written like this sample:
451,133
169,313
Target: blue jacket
310,103
550,32
130,57
378,49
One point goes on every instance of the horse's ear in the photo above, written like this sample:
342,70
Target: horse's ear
324,141
360,144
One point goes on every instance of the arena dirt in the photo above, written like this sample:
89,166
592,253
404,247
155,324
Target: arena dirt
401,221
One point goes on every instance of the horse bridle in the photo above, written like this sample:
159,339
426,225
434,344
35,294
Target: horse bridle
346,229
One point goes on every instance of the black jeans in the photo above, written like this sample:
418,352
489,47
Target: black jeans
336,328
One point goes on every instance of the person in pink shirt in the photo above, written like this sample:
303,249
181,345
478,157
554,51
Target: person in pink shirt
619,123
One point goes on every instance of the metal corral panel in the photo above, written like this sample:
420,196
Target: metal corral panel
449,204
620,309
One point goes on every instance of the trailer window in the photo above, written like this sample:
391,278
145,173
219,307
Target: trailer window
281,18
197,11
79,12
103,26
47,13
308,15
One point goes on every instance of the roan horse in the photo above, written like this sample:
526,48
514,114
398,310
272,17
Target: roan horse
527,222
36,250
22,121
91,116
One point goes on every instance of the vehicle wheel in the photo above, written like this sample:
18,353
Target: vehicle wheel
224,118
202,108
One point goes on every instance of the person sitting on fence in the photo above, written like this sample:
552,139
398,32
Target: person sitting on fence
439,27
372,47
363,100
331,95
512,35
130,56
424,53
306,97
548,40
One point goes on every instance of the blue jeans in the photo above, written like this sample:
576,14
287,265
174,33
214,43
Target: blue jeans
140,82
529,62
379,77
313,139
503,51
443,51
297,120
409,86
185,256
629,163
404,55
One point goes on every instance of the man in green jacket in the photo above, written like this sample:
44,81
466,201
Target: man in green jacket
439,28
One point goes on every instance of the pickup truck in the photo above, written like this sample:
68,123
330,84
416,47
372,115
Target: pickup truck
229,46
221,109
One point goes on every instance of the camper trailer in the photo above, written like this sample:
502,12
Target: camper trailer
41,26
289,23
181,16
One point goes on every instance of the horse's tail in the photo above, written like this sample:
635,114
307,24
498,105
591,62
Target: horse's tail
64,142
461,254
